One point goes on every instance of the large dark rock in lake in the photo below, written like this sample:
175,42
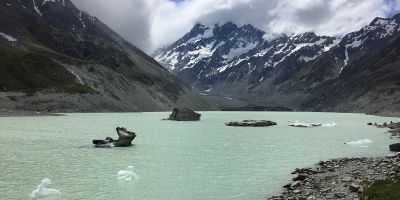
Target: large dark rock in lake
256,123
184,114
125,138
395,147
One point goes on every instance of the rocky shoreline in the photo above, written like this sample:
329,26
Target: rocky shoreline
23,113
343,178
394,128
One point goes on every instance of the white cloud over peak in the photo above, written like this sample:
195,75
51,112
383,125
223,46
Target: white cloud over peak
151,24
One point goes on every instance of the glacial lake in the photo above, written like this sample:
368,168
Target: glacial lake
175,160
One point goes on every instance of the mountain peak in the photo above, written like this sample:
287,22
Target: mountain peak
378,21
198,26
229,25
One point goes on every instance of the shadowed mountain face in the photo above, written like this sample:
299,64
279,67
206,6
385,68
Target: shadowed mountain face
237,67
367,79
55,57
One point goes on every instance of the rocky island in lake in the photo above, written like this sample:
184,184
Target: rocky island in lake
184,114
125,138
255,123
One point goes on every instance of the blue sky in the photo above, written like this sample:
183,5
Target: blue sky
395,9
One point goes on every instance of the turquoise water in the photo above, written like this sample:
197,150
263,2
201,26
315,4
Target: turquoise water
174,160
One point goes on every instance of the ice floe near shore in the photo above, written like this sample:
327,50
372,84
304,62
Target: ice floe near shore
127,175
43,190
309,125
330,124
360,143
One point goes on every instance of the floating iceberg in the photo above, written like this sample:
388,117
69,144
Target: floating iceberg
304,124
42,190
331,124
127,174
360,143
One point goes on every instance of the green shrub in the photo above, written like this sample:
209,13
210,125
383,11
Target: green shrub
383,190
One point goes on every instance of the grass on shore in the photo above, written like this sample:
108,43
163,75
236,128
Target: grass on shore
30,71
383,190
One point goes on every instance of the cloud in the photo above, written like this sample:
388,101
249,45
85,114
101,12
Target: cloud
324,17
128,18
151,24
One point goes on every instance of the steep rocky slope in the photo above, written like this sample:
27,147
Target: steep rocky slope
54,57
368,81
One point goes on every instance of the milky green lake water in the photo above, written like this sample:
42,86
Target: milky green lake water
174,160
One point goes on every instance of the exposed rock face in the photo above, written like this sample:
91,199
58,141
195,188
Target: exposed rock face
395,147
184,114
340,178
125,138
256,123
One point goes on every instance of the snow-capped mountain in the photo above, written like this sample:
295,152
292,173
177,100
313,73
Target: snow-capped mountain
213,55
361,73
204,49
304,72
354,47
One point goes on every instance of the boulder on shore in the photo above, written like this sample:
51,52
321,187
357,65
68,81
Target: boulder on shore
256,123
395,147
184,114
125,138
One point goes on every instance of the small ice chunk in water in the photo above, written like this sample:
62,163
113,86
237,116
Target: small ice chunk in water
42,190
330,124
304,124
127,174
360,143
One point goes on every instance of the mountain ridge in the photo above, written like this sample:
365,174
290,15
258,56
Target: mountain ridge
293,71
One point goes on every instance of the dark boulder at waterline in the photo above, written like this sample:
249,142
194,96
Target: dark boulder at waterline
125,138
256,123
184,114
395,147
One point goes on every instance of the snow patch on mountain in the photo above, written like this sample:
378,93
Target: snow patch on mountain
225,67
36,8
54,1
199,54
237,51
80,19
297,47
8,37
334,43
